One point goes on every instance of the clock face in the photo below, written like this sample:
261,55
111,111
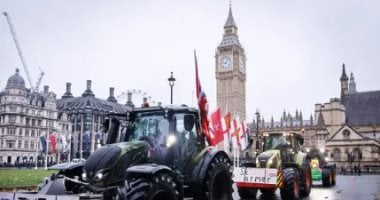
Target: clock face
241,63
225,62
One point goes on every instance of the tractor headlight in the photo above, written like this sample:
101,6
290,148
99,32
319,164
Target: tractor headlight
171,140
98,176
84,175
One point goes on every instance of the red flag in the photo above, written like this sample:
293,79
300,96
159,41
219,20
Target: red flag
217,127
202,103
53,142
235,133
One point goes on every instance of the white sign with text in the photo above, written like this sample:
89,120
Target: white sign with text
255,175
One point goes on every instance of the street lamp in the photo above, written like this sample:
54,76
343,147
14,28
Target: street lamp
171,80
257,130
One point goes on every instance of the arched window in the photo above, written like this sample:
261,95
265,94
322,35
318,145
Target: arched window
356,153
337,154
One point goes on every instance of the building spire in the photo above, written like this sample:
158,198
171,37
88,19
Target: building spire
343,84
344,76
230,19
352,85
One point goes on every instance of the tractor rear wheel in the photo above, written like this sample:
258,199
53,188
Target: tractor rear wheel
291,189
218,181
327,177
160,186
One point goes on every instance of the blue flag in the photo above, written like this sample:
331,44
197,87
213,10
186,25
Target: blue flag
43,144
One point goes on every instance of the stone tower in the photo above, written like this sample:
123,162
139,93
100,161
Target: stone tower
230,71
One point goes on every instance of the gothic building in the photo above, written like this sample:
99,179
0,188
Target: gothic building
347,128
87,114
352,124
230,71
26,115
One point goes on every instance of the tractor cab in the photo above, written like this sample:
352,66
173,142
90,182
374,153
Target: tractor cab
288,144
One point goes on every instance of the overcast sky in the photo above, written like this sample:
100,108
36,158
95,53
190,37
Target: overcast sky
295,48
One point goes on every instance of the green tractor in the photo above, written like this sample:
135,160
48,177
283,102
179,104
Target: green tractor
282,164
322,172
154,153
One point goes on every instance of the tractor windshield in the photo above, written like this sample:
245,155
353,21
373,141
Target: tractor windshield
276,141
148,126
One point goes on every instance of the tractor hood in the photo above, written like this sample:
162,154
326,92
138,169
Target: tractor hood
268,159
107,164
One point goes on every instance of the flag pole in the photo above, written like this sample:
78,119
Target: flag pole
47,145
58,141
81,138
37,145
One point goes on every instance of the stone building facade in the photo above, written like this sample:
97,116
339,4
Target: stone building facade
87,114
230,72
25,116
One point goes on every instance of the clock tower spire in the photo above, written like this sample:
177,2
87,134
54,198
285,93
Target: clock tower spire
230,71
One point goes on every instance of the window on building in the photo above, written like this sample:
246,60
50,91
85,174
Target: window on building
27,121
337,154
33,132
10,143
346,134
19,144
32,145
2,131
11,131
20,132
12,108
26,144
33,112
33,122
2,144
12,119
39,123
27,111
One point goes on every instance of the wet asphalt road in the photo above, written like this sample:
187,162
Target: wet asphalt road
366,187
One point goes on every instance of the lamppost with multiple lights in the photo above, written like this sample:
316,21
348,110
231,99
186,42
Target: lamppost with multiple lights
171,80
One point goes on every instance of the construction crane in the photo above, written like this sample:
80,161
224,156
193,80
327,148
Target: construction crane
20,53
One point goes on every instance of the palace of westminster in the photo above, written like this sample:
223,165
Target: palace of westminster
347,128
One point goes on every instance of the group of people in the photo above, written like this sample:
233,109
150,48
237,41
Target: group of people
353,169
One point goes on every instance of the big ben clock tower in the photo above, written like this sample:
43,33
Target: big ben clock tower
230,71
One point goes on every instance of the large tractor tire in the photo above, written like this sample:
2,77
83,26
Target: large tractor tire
160,186
218,181
247,193
306,183
327,177
291,189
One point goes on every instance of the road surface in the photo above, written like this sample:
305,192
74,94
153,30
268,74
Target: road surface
366,187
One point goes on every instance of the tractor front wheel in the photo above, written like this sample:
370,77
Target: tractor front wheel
218,181
291,189
160,186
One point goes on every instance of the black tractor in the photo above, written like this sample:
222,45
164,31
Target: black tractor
154,153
